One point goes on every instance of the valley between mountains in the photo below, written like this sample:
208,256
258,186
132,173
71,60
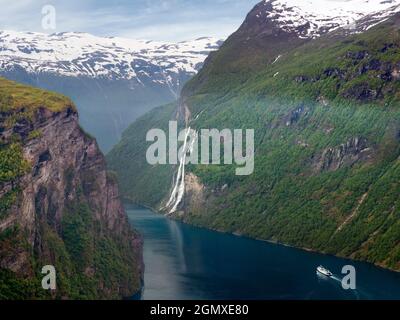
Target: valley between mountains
318,81
59,204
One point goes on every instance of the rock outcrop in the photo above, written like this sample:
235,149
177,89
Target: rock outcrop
353,151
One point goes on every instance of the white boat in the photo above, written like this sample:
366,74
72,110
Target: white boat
324,271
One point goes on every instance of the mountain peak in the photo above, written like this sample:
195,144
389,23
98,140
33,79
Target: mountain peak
312,18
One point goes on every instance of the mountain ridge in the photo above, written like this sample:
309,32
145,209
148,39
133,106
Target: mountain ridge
82,54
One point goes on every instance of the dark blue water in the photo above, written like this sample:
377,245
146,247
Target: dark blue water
184,262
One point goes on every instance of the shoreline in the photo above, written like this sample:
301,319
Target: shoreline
237,234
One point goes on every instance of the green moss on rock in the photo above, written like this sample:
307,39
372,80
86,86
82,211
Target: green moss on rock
14,96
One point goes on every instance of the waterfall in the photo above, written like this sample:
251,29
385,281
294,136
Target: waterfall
179,186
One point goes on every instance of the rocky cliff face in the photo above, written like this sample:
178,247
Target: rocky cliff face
64,209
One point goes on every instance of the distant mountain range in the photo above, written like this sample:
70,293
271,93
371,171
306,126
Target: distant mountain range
84,55
112,80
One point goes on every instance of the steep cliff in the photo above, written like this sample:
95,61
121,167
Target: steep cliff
59,205
325,111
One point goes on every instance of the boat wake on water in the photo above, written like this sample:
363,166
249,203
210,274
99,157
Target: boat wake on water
325,274
336,278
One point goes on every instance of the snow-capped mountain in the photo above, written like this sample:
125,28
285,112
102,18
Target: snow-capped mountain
112,80
81,54
312,18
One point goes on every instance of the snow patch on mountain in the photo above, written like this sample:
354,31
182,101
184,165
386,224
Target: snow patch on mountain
312,18
81,54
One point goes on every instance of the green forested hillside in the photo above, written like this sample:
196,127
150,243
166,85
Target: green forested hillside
326,116
141,182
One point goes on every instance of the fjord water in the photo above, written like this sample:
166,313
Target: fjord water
185,262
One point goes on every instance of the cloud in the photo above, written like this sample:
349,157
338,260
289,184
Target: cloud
173,20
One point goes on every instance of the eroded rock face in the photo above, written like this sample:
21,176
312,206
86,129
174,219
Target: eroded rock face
295,115
194,199
331,159
67,173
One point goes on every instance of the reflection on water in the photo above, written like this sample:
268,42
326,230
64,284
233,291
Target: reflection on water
184,262
176,235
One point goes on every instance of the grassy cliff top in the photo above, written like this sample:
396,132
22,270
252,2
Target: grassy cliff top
15,96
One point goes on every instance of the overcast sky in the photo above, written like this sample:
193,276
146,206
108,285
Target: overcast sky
168,20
